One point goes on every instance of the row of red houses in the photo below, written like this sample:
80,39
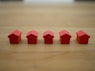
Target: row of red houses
32,37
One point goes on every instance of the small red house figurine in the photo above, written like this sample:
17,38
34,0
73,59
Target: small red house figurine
32,37
48,37
82,37
15,37
64,37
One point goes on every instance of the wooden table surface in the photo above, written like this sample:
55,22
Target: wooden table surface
42,57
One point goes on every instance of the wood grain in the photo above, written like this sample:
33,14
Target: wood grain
42,57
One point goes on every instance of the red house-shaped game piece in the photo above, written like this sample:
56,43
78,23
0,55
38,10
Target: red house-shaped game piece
64,37
48,37
32,37
82,37
15,37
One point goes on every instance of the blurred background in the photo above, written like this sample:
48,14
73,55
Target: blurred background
52,13
45,1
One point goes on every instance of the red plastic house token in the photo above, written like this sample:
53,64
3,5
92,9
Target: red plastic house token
32,37
15,37
64,37
48,37
82,37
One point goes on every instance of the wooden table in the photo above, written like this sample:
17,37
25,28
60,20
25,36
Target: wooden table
42,57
